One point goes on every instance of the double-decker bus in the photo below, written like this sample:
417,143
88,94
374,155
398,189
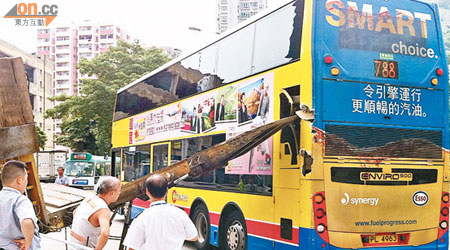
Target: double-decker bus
84,169
372,169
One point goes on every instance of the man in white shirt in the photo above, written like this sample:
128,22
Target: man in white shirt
62,179
162,226
91,219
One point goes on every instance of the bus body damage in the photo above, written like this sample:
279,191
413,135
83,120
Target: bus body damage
210,159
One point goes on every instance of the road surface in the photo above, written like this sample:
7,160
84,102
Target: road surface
115,232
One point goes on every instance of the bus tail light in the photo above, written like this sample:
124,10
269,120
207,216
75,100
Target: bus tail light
445,198
321,228
439,72
328,59
434,81
335,71
320,215
443,220
444,211
319,198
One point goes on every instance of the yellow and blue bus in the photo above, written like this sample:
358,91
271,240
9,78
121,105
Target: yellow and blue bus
84,169
372,169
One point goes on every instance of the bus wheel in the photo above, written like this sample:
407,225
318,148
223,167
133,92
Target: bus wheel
235,232
200,217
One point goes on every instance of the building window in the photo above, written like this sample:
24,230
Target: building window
106,27
245,5
43,48
85,37
62,91
85,55
245,15
32,101
62,73
60,82
85,28
43,31
86,46
62,47
62,38
59,56
65,64
64,29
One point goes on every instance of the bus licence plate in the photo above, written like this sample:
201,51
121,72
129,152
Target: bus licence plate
387,238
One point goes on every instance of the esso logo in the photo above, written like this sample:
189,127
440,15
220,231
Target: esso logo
420,198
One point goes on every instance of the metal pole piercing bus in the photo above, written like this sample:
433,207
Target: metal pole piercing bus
84,169
371,170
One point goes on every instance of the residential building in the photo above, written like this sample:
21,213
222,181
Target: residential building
40,77
232,12
67,44
445,19
172,53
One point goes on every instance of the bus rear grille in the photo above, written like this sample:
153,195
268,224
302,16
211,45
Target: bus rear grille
344,140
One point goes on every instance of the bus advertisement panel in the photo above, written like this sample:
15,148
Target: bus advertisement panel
249,100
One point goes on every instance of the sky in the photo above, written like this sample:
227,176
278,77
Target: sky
153,22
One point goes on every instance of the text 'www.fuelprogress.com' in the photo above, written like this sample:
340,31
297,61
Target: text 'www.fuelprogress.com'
384,223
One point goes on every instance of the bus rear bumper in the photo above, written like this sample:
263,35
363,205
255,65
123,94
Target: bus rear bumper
311,240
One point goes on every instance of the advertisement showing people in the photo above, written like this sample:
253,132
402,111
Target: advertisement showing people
253,111
206,109
226,100
235,108
256,162
189,116
253,100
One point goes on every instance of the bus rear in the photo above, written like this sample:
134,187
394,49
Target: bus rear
381,100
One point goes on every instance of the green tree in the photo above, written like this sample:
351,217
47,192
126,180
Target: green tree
41,137
87,117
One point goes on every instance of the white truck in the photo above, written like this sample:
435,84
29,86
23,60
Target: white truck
48,163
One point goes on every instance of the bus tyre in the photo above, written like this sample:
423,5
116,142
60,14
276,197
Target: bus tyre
235,232
200,217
